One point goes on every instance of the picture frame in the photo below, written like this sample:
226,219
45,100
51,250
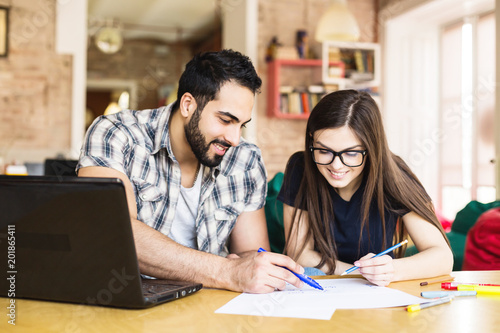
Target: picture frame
4,31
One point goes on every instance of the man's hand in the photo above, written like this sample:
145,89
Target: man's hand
261,272
379,270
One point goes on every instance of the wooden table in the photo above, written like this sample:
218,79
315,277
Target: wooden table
196,314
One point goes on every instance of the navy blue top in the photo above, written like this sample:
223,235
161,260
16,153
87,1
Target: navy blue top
347,216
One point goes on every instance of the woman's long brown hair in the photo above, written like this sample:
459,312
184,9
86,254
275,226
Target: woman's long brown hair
389,180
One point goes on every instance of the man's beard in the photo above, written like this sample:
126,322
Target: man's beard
198,143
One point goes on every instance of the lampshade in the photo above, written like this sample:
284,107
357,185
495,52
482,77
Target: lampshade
337,23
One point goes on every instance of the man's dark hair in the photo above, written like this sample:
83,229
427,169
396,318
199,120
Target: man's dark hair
207,72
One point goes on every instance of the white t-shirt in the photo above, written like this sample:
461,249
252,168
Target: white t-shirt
183,229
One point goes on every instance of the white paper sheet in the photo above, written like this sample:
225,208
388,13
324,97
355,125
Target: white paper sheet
311,303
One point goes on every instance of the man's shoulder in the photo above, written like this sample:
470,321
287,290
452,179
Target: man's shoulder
136,117
136,125
244,157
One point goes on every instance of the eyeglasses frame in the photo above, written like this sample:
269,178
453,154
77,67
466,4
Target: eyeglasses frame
339,154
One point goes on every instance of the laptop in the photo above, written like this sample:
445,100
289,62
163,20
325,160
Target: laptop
70,239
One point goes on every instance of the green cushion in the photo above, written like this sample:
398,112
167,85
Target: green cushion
411,250
464,220
457,242
274,214
468,216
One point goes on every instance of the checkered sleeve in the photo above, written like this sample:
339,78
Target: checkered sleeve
257,177
105,145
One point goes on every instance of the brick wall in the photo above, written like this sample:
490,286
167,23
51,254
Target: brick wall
35,82
279,138
35,85
144,61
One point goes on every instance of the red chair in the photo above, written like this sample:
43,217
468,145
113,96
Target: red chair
482,247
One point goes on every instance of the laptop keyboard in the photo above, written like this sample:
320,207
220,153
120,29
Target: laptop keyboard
153,289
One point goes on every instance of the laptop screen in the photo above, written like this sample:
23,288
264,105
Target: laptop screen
73,240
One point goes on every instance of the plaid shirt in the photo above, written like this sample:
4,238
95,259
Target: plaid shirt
137,143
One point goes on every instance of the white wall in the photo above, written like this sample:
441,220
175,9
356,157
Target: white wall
411,106
239,24
71,38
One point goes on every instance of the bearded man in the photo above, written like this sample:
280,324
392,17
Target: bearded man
195,189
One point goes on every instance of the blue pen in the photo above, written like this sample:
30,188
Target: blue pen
302,277
353,268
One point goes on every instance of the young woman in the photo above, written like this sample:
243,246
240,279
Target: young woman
348,197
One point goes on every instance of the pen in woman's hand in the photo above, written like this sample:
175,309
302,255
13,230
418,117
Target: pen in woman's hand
353,268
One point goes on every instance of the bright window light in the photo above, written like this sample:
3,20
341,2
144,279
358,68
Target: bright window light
467,105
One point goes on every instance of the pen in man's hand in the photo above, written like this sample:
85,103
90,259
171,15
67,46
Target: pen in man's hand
353,268
302,277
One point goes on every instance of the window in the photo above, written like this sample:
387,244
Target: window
438,94
467,113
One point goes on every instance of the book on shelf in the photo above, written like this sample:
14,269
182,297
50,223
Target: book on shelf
334,54
370,67
305,102
360,64
355,61
300,100
335,72
314,99
294,103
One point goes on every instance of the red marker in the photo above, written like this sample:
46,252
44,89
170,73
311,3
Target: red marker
453,285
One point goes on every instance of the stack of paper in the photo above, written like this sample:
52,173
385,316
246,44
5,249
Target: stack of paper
311,303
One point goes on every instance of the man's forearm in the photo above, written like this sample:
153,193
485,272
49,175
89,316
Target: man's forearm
163,258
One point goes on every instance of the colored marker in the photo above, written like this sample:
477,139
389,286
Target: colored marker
492,290
453,285
302,277
435,294
418,307
353,268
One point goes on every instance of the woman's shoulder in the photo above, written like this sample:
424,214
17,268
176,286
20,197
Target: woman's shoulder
296,161
295,167
293,176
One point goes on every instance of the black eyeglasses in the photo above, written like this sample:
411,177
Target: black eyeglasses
350,158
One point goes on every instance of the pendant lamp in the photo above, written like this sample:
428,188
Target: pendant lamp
337,23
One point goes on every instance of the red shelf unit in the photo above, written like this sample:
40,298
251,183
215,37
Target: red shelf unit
274,79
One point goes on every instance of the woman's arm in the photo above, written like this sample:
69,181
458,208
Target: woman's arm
434,258
309,257
297,237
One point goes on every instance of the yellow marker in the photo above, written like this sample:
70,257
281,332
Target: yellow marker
418,307
492,290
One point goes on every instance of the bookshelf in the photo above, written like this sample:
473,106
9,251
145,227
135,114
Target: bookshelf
361,60
295,86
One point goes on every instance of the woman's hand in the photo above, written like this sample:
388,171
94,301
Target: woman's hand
378,270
